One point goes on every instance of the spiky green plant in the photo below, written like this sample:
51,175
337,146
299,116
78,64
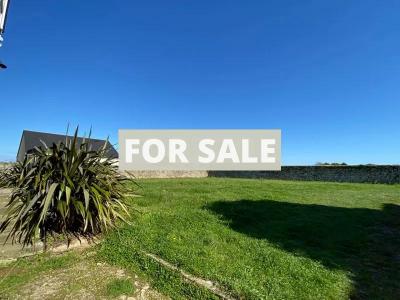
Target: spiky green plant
65,189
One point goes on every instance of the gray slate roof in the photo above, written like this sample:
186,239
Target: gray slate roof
31,139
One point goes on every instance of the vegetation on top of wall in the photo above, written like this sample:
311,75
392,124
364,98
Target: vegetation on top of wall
330,164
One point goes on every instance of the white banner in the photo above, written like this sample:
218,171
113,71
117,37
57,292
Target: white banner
200,150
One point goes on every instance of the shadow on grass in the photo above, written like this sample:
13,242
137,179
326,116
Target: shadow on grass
365,242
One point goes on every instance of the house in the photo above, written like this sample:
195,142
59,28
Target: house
32,139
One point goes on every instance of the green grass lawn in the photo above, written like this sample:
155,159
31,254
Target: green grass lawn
262,239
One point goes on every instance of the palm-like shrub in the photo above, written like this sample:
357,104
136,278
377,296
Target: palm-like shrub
65,189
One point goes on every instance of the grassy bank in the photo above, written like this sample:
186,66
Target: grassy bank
265,239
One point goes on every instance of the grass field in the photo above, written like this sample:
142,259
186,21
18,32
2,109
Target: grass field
257,239
265,239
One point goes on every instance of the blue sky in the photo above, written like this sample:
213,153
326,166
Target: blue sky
325,72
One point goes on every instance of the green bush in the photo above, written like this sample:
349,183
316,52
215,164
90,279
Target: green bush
65,189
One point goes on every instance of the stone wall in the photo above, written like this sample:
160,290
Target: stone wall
168,174
362,174
5,165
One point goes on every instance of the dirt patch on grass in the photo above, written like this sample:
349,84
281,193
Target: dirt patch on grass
83,281
81,278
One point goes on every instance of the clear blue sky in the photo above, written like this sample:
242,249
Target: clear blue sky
326,72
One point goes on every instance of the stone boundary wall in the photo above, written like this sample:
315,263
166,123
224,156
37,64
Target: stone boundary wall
167,174
359,174
4,165
389,174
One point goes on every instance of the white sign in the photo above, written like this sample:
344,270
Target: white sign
200,149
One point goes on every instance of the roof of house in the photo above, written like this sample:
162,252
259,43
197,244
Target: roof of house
32,139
